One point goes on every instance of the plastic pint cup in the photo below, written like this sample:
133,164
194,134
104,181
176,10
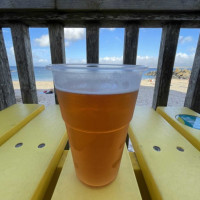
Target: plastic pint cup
97,103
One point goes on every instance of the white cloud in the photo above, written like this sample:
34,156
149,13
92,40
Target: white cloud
149,61
183,39
181,60
42,61
111,60
11,50
73,34
70,34
141,60
109,29
43,41
41,56
184,60
67,43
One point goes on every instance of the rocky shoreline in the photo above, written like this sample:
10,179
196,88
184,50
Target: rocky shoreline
177,73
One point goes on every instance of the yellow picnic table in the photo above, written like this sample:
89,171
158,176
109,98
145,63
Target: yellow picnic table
34,164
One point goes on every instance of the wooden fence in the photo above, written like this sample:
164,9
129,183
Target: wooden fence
92,14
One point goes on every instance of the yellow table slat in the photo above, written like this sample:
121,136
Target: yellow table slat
169,113
139,176
15,117
169,173
26,171
123,187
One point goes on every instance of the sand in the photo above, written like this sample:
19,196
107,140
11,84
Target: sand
177,94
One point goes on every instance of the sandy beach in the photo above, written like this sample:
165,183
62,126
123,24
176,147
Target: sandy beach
177,94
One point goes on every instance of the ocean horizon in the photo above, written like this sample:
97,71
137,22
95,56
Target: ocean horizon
42,74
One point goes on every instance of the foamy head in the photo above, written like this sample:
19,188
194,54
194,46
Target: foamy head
97,79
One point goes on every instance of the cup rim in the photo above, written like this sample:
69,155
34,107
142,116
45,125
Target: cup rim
94,67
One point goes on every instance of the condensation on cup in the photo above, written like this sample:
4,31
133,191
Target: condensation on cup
97,103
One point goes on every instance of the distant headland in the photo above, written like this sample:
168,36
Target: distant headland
177,73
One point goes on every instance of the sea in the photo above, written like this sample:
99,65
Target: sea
42,74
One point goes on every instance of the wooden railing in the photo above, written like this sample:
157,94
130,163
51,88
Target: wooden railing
92,14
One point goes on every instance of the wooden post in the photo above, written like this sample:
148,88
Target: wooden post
130,44
92,37
23,56
57,46
192,99
166,59
7,94
130,50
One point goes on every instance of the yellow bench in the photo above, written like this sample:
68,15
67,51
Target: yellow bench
15,117
35,166
138,173
139,176
169,113
29,158
52,184
123,187
169,172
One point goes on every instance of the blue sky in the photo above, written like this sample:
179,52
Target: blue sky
110,46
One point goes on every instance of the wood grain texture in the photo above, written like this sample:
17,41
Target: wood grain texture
73,5
24,61
128,5
57,46
192,99
169,40
7,95
130,44
27,4
92,40
130,50
105,19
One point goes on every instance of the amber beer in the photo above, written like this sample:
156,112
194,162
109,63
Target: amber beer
97,126
97,103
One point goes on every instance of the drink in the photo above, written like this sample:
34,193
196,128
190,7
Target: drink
97,127
97,104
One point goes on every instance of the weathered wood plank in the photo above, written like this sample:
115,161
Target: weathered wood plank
73,5
130,44
128,5
130,50
24,61
166,59
57,43
57,46
92,38
192,99
7,95
27,4
106,18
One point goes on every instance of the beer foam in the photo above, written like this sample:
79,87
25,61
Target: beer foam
97,82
